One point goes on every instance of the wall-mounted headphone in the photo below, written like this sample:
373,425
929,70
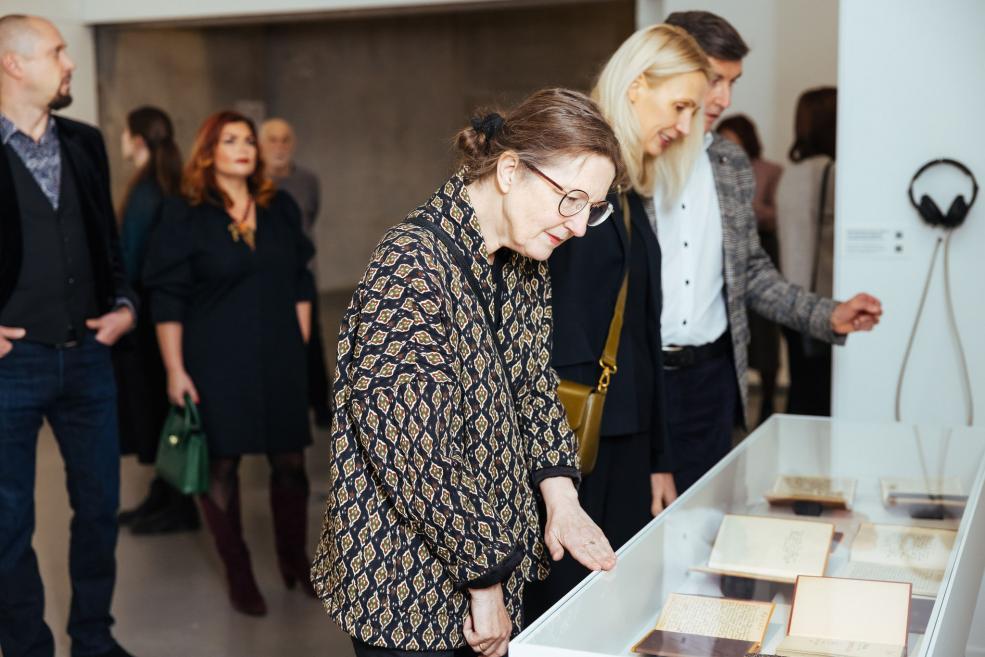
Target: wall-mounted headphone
959,207
931,213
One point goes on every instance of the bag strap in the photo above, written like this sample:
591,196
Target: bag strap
438,231
608,359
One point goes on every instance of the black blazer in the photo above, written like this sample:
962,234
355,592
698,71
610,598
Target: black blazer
585,277
86,159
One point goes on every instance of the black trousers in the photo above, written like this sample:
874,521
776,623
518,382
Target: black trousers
318,392
702,404
810,376
617,496
365,650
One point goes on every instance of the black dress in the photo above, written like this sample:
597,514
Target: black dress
242,344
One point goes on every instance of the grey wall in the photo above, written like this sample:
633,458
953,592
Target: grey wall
375,101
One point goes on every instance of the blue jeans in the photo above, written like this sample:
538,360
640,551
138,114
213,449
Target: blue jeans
75,390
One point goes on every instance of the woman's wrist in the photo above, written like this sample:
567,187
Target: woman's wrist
558,491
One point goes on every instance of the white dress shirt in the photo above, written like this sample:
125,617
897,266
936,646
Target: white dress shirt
690,235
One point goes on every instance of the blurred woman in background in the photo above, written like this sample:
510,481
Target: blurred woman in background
806,205
147,143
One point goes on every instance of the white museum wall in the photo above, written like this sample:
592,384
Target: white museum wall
911,88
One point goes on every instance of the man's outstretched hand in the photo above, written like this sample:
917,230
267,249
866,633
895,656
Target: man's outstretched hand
860,313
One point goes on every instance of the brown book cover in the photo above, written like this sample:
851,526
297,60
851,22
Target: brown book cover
674,644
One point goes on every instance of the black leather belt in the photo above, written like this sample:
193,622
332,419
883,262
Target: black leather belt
678,357
71,341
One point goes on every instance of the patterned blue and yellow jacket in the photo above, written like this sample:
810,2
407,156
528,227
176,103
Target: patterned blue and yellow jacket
434,467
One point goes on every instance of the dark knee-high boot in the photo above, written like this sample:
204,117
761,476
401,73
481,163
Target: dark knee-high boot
289,503
226,527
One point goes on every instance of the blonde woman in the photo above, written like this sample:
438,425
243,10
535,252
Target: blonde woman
650,91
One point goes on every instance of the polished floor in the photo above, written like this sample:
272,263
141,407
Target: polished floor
170,594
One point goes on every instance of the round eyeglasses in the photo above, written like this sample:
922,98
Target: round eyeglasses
574,201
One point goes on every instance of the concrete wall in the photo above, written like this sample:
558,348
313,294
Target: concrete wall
375,101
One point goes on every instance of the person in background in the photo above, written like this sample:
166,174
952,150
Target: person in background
147,144
764,343
806,203
64,301
447,420
277,143
713,268
230,292
650,91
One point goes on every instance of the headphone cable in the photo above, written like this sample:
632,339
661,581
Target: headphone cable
952,321
949,303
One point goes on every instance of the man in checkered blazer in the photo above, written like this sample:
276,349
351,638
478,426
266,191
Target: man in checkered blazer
714,268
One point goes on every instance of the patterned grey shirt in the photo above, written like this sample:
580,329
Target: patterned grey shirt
42,158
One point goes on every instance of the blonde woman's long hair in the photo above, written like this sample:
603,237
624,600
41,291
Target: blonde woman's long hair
657,52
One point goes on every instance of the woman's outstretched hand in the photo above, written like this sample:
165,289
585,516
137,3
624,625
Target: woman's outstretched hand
570,529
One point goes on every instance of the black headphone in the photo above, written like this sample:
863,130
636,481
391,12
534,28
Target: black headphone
959,207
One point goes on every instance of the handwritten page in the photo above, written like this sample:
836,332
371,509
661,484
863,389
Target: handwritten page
850,610
925,582
718,617
917,555
768,547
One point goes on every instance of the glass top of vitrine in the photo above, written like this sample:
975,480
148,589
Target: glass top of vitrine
910,496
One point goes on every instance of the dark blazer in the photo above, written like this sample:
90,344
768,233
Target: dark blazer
586,274
86,159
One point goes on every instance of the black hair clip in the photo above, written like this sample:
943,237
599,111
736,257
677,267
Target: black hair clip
490,125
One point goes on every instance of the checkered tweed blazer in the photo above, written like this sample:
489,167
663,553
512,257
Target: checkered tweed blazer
751,278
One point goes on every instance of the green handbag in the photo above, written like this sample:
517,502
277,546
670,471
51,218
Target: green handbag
182,452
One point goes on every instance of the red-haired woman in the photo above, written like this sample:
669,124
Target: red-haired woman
230,293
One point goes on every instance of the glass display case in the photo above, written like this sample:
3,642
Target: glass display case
886,468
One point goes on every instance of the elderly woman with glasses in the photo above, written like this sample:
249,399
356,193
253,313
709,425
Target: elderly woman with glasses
650,91
447,422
